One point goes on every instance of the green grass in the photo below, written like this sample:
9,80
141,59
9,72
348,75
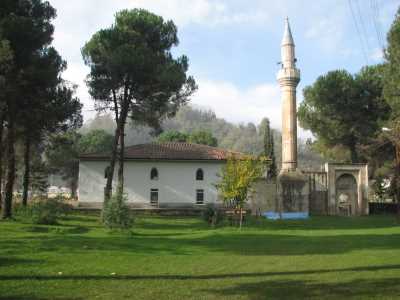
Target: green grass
181,258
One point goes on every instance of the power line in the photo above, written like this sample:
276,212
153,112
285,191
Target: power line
358,32
374,20
378,23
363,28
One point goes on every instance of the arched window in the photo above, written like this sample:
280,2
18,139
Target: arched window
154,174
199,174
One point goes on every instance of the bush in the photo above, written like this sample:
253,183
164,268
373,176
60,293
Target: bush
44,211
212,215
116,213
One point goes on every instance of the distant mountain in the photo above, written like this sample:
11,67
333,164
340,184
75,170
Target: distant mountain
245,138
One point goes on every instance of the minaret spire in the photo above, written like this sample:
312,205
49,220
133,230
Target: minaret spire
287,47
288,78
287,36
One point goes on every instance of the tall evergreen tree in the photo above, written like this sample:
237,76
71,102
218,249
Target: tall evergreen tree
392,68
49,106
133,73
26,26
35,96
392,95
6,61
268,149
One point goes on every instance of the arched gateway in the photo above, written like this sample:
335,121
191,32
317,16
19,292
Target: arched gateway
346,195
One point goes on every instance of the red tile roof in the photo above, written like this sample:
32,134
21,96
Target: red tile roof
168,151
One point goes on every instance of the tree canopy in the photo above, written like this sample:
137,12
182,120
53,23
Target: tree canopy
237,177
392,67
345,109
202,137
172,136
96,141
34,98
134,74
63,151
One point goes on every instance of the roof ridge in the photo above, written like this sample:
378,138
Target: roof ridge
171,151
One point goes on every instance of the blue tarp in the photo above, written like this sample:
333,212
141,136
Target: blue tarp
272,215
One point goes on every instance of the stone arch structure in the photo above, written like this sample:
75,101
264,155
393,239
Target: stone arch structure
351,181
346,194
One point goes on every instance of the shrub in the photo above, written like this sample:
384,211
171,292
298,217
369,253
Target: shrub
212,215
43,210
21,211
116,213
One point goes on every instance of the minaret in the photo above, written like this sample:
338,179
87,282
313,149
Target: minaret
288,78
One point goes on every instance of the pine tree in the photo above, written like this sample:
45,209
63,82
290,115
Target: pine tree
269,147
134,74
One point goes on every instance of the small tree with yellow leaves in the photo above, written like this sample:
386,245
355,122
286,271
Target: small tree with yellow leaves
237,177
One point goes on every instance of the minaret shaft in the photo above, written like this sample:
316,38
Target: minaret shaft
288,78
289,128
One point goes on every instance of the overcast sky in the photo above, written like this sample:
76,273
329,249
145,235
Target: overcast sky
234,45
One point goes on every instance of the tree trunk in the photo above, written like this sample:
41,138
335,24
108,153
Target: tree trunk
353,152
1,158
27,156
110,173
7,209
241,218
73,186
118,130
121,161
396,179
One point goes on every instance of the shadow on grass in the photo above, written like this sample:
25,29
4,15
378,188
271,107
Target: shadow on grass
387,288
171,223
31,297
63,229
82,217
324,223
229,243
198,277
12,261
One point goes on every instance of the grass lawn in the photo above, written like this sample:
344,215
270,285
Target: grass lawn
180,258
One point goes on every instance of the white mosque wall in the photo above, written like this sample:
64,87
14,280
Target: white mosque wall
176,183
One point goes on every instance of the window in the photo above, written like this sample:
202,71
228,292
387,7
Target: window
199,174
154,174
199,196
154,197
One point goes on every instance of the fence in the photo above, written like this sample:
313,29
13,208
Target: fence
378,208
318,192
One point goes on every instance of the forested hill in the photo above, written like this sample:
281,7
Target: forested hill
245,138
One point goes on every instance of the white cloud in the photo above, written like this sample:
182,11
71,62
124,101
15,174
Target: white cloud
70,34
205,12
329,35
182,12
243,105
240,105
376,55
76,74
78,19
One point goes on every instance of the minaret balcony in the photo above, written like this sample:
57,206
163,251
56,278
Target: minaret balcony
289,74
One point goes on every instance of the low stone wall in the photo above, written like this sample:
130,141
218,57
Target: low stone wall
170,210
263,198
319,203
